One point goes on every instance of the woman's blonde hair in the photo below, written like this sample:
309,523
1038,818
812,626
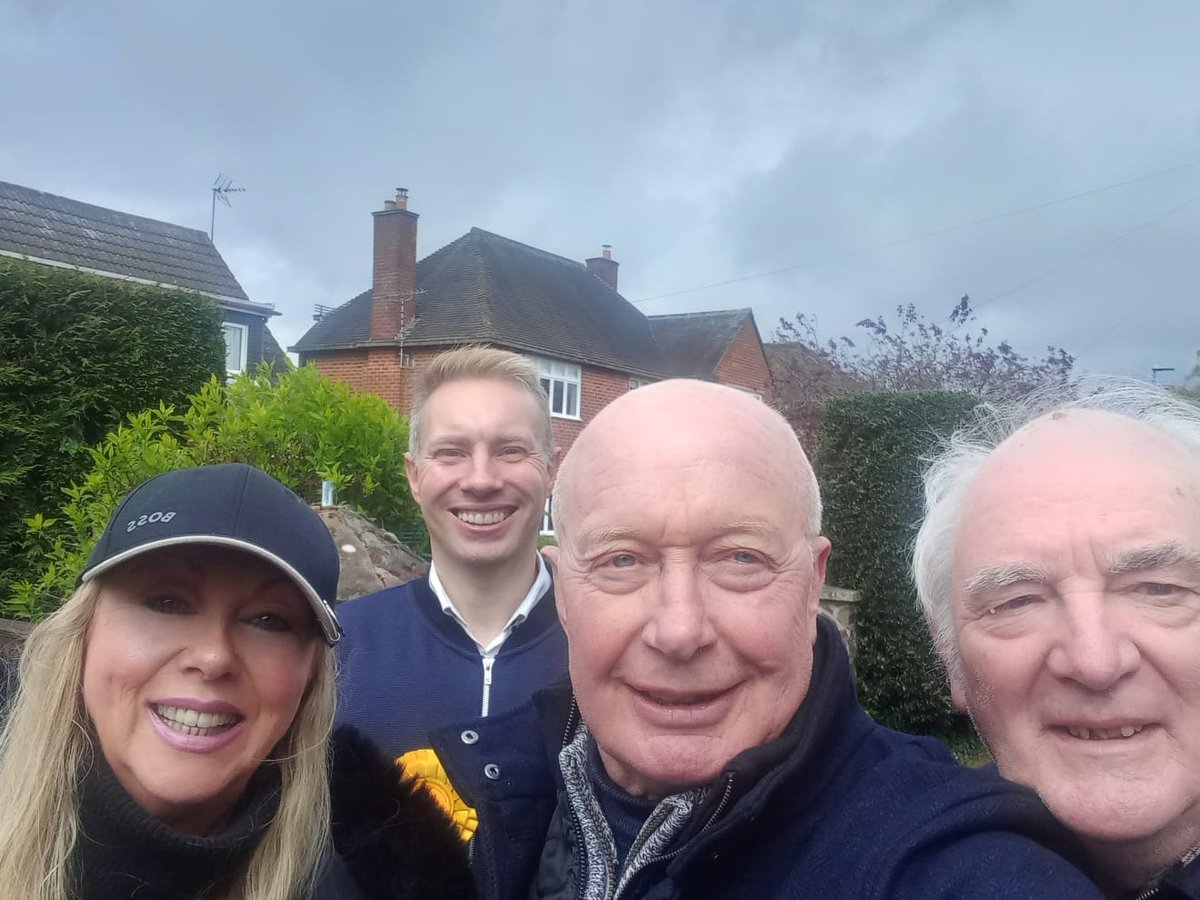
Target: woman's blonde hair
47,739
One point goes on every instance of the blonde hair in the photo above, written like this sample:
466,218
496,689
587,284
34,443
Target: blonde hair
486,364
47,739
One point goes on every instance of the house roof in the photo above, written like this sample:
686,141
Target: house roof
691,345
487,288
808,373
54,229
272,353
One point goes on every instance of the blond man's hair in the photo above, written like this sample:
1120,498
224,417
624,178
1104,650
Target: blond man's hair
476,362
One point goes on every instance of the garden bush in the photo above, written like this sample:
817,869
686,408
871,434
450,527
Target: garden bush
78,352
299,426
868,464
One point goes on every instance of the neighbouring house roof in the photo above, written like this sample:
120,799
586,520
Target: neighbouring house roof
691,345
58,230
490,289
807,372
272,353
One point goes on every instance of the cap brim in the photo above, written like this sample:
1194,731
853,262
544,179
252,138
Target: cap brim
330,627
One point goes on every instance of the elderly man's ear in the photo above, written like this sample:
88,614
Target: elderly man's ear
550,554
958,691
820,552
954,675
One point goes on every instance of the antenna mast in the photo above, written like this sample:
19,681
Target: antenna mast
220,189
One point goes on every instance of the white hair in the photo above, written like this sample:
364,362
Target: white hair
952,468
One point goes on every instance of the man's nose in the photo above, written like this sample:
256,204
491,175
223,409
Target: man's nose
1091,645
482,473
679,625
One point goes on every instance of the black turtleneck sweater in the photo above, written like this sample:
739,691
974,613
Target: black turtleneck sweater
122,852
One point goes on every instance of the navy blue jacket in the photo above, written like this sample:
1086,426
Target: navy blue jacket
838,807
405,667
1180,883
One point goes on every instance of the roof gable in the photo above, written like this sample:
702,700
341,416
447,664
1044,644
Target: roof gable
60,230
691,345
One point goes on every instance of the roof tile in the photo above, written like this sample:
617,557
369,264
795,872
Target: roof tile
46,226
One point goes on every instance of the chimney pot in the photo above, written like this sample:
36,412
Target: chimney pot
606,251
401,198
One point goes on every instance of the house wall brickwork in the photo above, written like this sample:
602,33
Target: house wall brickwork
376,369
599,388
744,365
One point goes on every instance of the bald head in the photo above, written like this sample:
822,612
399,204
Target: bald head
675,419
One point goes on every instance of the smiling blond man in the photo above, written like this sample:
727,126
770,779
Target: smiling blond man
479,633
1059,567
710,744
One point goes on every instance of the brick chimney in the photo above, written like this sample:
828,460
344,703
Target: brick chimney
394,278
604,266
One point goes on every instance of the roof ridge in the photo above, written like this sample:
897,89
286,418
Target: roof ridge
741,311
538,250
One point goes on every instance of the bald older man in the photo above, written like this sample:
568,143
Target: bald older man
709,744
1059,567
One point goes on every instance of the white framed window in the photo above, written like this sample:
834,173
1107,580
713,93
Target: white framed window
235,347
635,383
561,381
547,518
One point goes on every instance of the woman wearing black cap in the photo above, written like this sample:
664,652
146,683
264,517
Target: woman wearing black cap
168,735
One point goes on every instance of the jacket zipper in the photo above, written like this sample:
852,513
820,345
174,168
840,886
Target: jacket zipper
580,849
666,857
648,828
488,662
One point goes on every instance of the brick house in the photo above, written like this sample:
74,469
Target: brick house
57,231
590,344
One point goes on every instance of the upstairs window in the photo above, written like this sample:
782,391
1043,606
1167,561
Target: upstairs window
561,381
235,347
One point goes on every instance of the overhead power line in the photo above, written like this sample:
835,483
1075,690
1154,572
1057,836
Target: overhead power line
871,248
1091,251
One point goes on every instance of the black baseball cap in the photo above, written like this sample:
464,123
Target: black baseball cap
229,505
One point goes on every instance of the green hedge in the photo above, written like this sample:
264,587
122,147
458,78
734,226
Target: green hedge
300,426
868,466
79,352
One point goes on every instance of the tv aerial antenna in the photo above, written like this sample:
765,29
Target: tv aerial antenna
221,190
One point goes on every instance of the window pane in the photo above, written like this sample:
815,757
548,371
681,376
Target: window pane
556,402
233,347
572,400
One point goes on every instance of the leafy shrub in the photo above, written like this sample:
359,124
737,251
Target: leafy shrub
300,426
868,464
79,352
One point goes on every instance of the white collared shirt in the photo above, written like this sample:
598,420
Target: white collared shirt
541,584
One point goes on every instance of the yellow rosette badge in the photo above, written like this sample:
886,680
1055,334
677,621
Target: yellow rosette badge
426,768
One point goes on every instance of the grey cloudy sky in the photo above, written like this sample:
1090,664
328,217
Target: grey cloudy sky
707,141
